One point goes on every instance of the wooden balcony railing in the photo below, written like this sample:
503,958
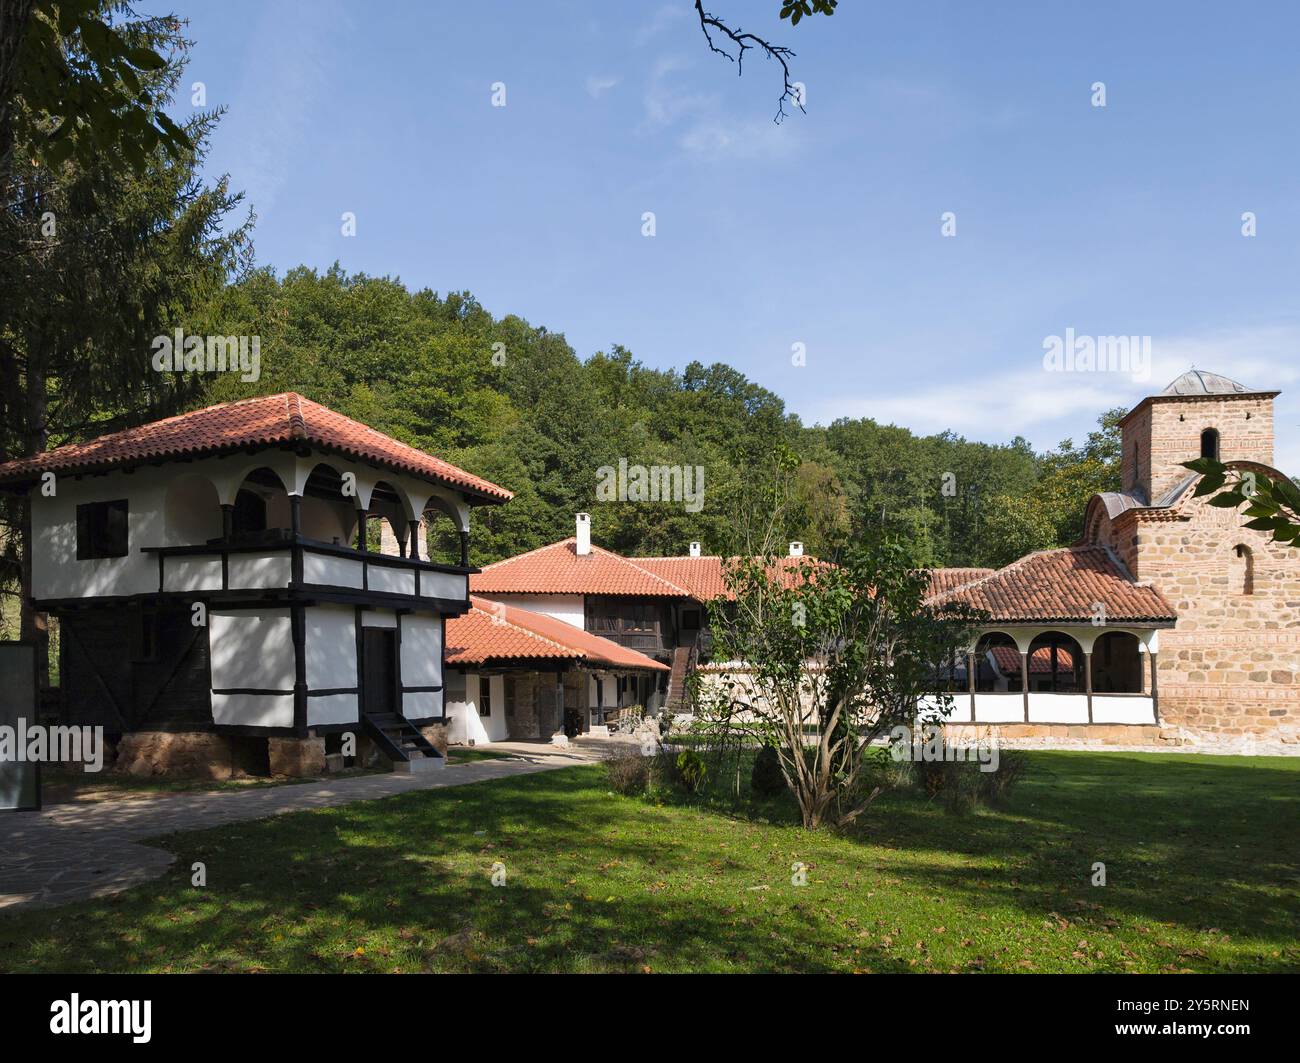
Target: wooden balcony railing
298,565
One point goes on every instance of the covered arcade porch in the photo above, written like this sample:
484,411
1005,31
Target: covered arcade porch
1035,674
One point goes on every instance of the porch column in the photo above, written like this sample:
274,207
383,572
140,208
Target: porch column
1024,680
362,520
970,682
1155,692
464,549
1087,678
227,521
295,524
559,696
401,539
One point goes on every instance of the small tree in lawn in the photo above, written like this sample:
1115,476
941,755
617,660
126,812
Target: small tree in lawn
826,659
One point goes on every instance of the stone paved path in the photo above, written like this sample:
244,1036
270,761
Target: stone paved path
74,851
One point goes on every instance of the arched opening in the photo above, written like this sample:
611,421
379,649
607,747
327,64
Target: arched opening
192,511
949,676
1210,444
261,510
1056,664
997,664
328,515
1117,664
387,532
1241,578
440,531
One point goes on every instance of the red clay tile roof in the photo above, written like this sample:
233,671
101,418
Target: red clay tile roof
943,580
263,422
495,632
1007,658
557,569
1063,586
705,577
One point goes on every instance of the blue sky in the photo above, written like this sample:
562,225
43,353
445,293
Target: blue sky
825,230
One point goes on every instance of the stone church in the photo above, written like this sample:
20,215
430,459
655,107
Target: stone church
1169,621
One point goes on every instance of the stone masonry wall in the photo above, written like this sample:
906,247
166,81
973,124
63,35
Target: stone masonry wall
1230,666
1169,433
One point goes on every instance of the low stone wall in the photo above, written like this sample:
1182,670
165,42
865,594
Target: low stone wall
1099,733
298,758
183,754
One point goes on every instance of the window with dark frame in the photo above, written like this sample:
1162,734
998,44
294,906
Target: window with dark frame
146,636
484,696
101,530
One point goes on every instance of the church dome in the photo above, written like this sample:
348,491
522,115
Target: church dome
1201,382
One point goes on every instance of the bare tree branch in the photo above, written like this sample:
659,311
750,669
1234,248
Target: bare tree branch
743,42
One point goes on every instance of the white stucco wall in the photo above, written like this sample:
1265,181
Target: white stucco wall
566,607
331,646
462,706
421,665
252,649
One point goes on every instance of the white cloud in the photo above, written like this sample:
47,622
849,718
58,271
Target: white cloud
1045,407
663,19
598,85
270,125
709,132
717,138
665,101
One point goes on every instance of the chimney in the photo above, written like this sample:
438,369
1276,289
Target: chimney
695,549
796,549
583,547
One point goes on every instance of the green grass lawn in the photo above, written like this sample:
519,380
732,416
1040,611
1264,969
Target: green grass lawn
1200,854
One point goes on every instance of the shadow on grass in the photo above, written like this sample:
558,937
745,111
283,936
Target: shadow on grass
1207,842
598,882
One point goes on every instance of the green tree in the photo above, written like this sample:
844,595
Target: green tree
101,258
77,80
835,657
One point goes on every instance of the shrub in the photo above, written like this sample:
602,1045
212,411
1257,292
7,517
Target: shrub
932,775
891,774
766,779
962,787
627,771
996,786
692,770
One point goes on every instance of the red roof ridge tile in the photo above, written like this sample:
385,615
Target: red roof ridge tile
527,553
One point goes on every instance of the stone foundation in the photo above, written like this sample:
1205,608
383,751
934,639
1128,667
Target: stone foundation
436,733
1097,733
186,754
302,758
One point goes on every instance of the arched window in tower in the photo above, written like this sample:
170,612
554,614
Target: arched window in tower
1241,578
1210,444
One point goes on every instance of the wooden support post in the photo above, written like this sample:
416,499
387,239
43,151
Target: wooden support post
1024,681
970,682
1087,676
1155,691
227,521
464,549
362,519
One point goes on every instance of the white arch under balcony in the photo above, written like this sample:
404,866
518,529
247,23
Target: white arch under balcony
1085,635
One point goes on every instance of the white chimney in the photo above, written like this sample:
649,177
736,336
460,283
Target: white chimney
796,549
695,549
583,547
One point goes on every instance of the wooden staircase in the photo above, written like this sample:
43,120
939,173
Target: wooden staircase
402,743
682,664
